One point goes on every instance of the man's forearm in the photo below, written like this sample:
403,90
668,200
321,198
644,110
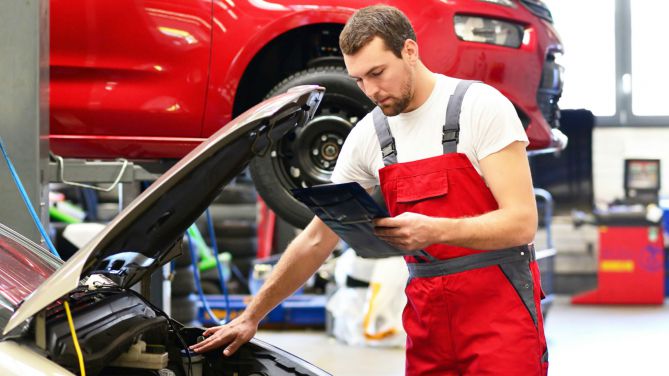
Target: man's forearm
305,254
495,230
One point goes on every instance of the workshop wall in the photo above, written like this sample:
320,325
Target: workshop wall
612,145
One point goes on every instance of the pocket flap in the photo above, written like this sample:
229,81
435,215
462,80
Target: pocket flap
422,187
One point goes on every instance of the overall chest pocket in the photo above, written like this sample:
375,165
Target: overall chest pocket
418,188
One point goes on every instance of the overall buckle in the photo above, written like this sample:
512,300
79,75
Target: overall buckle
389,149
450,135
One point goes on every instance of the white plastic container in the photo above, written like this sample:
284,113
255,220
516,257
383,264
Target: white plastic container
195,363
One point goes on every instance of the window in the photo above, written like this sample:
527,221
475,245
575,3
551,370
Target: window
587,29
650,78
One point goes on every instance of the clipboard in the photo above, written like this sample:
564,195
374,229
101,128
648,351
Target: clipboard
349,210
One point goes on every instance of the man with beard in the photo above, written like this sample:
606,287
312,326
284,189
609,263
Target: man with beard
450,158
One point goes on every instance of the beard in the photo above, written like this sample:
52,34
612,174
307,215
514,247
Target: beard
397,105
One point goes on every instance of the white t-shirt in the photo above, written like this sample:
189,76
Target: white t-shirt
488,123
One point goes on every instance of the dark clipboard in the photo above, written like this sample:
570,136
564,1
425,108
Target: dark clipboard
349,211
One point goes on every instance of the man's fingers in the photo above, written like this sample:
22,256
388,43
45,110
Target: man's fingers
212,330
206,345
397,221
401,244
232,348
201,345
385,222
387,232
214,342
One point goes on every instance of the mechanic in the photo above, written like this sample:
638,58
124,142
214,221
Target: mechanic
450,158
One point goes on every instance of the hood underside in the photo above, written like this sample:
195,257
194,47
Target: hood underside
144,236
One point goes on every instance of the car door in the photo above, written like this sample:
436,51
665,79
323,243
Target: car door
130,71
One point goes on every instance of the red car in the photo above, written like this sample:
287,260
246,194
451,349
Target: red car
152,79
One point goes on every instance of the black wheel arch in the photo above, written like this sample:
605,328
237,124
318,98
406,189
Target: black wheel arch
295,50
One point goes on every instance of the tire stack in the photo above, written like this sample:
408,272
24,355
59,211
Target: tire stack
184,302
234,213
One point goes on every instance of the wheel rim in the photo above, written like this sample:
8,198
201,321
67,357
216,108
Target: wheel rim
308,155
318,146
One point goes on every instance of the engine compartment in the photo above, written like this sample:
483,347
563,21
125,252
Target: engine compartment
121,334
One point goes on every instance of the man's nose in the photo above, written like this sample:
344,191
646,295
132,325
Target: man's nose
371,90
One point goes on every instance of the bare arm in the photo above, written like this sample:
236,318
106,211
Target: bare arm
305,254
507,174
302,258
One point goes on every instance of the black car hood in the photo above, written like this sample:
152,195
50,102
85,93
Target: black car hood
146,235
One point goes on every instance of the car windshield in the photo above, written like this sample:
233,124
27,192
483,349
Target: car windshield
23,267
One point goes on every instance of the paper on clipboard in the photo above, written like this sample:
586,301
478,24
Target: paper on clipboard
349,211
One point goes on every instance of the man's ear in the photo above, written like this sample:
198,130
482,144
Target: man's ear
410,51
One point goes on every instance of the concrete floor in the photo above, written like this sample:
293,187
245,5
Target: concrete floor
583,340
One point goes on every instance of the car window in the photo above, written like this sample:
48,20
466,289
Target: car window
23,267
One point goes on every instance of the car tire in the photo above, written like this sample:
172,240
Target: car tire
238,247
184,309
210,287
340,109
237,194
284,233
184,260
229,212
183,282
236,228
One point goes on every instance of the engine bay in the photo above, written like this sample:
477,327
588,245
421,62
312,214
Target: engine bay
120,333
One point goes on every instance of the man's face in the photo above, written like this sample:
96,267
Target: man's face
383,77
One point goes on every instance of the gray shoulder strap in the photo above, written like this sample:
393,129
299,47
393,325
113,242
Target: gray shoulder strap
386,139
451,131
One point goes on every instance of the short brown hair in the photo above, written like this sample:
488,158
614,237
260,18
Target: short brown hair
383,21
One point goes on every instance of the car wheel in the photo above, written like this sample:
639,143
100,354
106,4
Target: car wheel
184,309
211,288
237,194
236,228
307,155
238,247
184,260
183,282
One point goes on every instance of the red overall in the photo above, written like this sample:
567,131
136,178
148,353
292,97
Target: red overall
473,322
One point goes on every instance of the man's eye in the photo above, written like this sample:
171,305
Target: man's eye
376,74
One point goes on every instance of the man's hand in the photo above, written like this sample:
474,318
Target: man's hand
234,334
408,231
299,262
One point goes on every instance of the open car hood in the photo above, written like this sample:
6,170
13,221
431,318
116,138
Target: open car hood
147,234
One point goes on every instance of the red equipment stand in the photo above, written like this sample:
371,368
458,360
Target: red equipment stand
631,265
266,224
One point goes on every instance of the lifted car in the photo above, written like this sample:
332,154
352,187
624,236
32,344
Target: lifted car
153,79
120,332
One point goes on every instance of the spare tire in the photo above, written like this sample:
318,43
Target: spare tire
307,155
237,194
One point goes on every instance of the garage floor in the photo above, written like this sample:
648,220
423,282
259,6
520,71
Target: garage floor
583,340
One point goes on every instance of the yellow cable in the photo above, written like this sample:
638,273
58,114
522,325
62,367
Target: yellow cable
74,338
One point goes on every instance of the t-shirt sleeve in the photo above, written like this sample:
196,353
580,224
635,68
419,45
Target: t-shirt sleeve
351,166
495,122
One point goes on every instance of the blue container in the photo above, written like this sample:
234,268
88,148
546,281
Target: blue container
295,311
